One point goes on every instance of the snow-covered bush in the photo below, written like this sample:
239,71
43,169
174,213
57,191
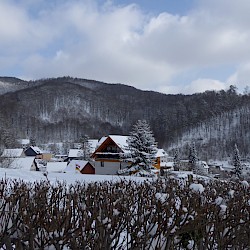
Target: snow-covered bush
155,214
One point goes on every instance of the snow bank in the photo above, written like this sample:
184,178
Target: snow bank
245,184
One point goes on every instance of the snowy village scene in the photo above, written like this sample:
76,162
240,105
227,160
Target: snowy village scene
124,125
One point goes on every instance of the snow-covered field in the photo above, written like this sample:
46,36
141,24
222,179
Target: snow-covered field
69,178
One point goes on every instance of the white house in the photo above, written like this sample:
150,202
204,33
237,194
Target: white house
109,154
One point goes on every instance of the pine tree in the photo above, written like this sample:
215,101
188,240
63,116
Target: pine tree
142,145
32,141
85,146
193,158
7,139
176,160
236,162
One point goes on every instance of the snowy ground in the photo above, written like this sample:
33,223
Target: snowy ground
31,176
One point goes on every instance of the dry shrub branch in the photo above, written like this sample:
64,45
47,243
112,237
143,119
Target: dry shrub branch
162,214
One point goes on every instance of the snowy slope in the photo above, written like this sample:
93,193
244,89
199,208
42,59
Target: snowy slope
215,138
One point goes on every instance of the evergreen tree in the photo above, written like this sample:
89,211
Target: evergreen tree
193,158
176,160
32,141
7,139
85,146
236,162
142,145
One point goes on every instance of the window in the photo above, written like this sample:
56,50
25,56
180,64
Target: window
102,164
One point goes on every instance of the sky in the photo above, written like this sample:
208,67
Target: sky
169,46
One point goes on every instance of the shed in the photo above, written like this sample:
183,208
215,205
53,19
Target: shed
84,167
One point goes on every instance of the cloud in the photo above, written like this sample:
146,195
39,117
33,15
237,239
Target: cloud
201,85
197,86
241,78
121,43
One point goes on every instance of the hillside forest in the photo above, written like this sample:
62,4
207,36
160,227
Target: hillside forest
62,109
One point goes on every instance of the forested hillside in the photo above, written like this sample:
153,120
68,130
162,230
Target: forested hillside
62,109
217,136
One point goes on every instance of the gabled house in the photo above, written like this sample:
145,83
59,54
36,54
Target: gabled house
83,167
110,154
161,158
33,151
26,163
13,153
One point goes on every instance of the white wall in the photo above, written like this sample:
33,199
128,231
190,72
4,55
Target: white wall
108,167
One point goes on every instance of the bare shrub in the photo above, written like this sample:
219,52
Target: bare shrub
162,214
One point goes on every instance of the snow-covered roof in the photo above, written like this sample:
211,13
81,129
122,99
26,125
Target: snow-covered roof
24,141
100,142
120,141
12,152
22,163
36,149
204,164
58,167
75,164
167,164
161,152
75,153
93,144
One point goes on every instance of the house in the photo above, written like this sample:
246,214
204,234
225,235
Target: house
74,154
26,163
110,154
56,167
161,158
46,156
83,167
33,151
13,153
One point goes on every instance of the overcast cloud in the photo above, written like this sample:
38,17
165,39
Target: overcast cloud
208,48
